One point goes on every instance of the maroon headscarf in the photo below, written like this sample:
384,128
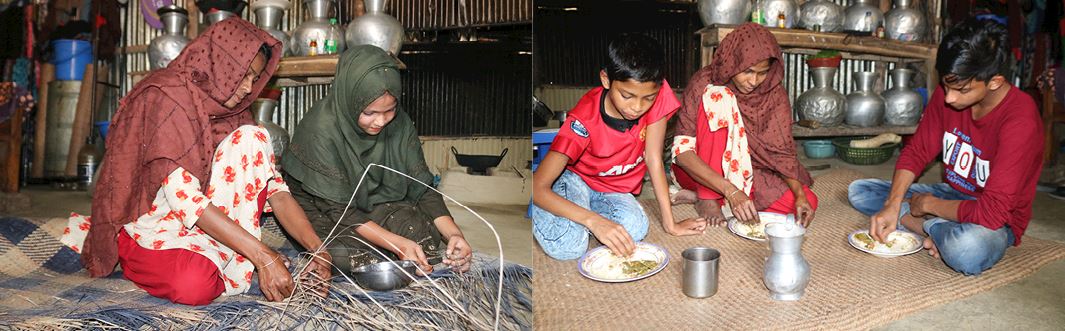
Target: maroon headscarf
173,118
766,110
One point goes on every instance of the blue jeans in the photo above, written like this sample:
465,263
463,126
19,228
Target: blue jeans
965,247
564,239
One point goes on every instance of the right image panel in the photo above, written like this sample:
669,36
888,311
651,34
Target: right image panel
783,164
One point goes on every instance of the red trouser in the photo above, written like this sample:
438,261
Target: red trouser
179,275
710,147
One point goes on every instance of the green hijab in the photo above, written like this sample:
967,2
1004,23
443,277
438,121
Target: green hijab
329,152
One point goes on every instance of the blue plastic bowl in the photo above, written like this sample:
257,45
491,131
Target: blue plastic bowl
819,149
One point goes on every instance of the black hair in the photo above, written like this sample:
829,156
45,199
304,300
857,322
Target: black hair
266,51
975,49
635,56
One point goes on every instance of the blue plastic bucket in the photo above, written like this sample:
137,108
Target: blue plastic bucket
70,57
103,126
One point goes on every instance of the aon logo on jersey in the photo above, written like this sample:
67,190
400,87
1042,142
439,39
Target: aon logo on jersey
621,169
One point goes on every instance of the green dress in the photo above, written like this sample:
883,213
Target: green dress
329,154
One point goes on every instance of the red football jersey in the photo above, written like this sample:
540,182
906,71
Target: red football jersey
608,160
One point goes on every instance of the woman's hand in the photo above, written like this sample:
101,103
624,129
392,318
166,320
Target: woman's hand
412,251
274,278
459,254
803,211
742,206
320,272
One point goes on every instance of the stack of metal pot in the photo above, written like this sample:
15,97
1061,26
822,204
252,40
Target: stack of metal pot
724,11
863,16
166,47
905,22
903,105
821,103
268,14
865,108
821,15
377,28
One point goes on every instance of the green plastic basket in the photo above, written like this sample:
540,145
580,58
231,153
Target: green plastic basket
863,156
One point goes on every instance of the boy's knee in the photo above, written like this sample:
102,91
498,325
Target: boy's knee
560,238
967,252
566,251
635,225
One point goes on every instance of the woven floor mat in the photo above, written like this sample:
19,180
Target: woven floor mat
846,285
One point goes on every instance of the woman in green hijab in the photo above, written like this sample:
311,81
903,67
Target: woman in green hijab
356,124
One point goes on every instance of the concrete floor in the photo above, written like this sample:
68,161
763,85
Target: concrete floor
514,229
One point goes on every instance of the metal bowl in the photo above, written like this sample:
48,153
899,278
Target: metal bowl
384,276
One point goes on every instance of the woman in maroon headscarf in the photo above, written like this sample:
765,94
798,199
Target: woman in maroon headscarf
733,146
187,175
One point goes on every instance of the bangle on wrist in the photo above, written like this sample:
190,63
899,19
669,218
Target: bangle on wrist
729,196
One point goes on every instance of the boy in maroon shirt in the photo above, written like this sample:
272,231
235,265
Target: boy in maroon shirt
609,141
988,134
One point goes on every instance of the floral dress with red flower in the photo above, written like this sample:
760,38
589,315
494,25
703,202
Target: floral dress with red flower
723,112
243,176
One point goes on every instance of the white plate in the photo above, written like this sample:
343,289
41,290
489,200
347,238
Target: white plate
904,243
602,265
744,230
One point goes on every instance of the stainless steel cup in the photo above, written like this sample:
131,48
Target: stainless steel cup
699,277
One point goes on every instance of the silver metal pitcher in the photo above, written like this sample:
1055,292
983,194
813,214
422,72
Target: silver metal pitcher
863,16
167,46
724,11
821,103
268,14
905,22
771,10
317,27
821,15
786,272
903,105
865,107
376,28
263,111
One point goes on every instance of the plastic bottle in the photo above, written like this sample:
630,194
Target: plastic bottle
331,44
781,20
314,48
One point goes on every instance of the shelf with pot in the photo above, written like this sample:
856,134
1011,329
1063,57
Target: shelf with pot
293,70
818,26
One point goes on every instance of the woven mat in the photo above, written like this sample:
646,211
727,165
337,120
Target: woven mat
845,286
43,287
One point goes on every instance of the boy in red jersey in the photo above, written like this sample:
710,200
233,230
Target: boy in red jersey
990,137
597,162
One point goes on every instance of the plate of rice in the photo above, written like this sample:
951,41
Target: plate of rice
898,243
602,265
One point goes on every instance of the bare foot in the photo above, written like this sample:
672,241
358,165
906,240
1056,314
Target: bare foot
683,197
711,211
931,247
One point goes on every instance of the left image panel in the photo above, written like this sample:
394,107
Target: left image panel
337,164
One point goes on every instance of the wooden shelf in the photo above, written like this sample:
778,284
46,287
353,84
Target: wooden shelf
798,38
847,130
295,70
